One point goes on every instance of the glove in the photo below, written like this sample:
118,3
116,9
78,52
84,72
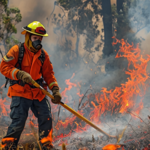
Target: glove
24,76
56,94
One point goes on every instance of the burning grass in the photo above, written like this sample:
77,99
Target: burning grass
119,100
125,99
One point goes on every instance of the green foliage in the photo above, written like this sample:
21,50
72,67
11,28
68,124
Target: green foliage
4,3
14,10
114,12
18,17
14,30
9,17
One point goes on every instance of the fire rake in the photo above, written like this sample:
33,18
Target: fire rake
76,113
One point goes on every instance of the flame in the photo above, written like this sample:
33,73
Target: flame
111,147
70,85
48,138
117,100
6,140
2,85
31,123
4,107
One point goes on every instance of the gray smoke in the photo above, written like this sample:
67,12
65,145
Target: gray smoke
139,16
88,74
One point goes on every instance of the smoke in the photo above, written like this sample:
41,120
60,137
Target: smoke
86,72
35,11
139,16
39,11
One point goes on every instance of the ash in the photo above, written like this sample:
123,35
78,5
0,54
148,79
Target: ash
135,137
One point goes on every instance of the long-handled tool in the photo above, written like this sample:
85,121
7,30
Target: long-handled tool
72,111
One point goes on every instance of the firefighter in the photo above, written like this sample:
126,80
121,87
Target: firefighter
20,65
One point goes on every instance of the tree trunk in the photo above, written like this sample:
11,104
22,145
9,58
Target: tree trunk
5,47
119,20
119,5
77,45
107,21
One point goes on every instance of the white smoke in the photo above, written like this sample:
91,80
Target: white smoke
139,16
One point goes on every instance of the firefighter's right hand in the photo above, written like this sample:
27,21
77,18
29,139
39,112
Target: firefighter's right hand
24,76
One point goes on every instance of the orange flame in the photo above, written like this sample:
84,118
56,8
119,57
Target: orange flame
6,140
111,147
117,100
48,138
70,85
3,107
2,85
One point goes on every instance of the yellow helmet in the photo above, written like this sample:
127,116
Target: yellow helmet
36,28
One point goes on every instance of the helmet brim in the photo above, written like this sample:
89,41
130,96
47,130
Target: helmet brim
24,32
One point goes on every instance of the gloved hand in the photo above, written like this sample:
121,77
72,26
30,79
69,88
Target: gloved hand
24,76
56,94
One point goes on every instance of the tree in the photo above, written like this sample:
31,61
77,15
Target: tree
107,21
125,17
120,16
79,21
9,17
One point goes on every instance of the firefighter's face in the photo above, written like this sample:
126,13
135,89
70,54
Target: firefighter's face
36,37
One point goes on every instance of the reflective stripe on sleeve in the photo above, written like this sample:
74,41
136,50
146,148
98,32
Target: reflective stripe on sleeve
51,84
7,59
13,73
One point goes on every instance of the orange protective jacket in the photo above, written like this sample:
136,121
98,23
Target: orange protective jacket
34,67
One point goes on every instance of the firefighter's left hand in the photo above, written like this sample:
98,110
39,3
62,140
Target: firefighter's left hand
56,94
